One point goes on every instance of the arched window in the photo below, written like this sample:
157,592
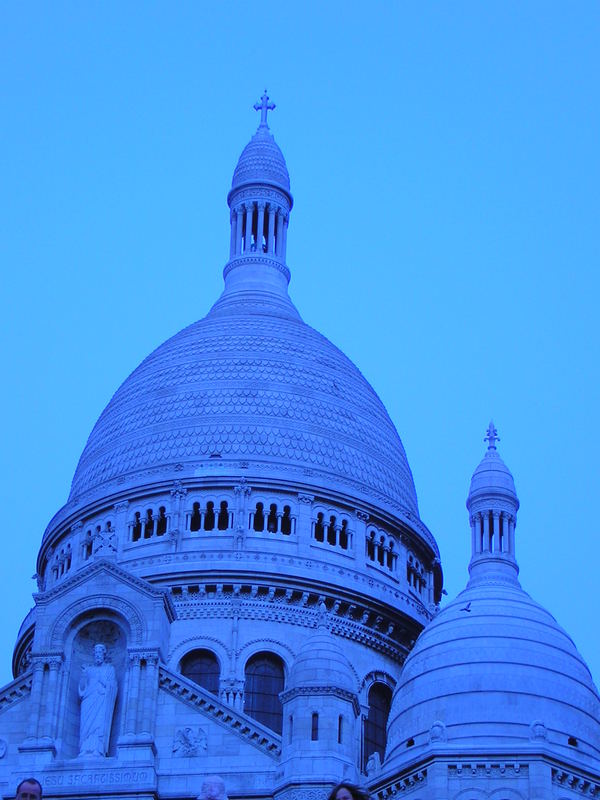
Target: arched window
209,516
202,667
196,517
223,520
380,700
264,682
259,518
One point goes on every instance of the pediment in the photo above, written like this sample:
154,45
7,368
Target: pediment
98,572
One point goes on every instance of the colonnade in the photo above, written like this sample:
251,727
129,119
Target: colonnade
492,532
258,227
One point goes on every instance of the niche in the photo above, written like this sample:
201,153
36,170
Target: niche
112,636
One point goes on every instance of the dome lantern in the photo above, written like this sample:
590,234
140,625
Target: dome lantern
260,203
492,504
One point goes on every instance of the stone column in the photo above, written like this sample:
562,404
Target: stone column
260,224
271,237
286,219
177,521
305,502
239,229
133,690
486,532
474,542
150,690
360,537
48,725
279,233
121,525
240,523
233,234
35,701
76,544
496,531
511,534
249,215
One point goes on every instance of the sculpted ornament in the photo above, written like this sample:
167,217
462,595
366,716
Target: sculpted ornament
538,731
373,765
98,693
437,732
188,742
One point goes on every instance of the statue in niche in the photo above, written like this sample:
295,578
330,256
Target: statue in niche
98,692
213,788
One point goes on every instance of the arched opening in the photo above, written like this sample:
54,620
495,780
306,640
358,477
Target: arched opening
264,682
196,517
202,667
259,518
286,521
209,516
223,521
380,700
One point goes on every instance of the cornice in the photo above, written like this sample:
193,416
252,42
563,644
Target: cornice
320,691
292,606
15,691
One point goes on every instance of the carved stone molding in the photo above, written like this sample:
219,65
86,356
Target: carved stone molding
97,603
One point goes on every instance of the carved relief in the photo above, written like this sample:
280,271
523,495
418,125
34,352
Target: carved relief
189,742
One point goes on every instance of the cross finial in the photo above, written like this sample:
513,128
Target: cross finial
491,436
263,107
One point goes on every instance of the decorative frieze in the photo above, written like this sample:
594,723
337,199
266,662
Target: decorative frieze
576,782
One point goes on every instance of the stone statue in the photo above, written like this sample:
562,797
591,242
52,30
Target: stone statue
98,692
213,788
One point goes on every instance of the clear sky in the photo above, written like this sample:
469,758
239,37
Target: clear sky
445,169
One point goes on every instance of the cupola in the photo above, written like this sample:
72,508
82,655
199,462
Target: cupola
492,504
260,203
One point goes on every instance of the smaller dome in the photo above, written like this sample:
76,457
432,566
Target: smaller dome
261,162
493,666
492,478
320,662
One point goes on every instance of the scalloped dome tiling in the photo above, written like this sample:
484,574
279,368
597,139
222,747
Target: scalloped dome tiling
243,385
261,161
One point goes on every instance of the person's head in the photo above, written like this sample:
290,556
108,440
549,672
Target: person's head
347,791
213,788
99,653
29,789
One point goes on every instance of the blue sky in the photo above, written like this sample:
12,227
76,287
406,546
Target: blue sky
444,164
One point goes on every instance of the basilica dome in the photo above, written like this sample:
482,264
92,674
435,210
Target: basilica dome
248,385
250,389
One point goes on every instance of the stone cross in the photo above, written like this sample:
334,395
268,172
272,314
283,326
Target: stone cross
263,107
491,436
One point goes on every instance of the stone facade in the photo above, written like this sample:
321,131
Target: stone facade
243,537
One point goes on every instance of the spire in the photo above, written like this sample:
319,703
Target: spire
260,203
493,506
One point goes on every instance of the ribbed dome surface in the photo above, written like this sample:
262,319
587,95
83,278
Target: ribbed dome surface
252,388
491,664
492,476
262,162
320,662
